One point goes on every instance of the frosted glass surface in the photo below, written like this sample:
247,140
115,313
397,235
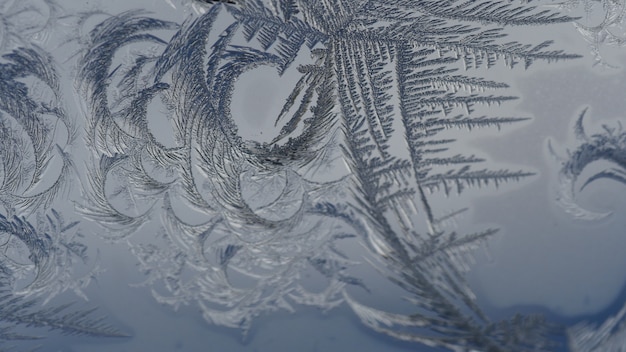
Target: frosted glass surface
306,175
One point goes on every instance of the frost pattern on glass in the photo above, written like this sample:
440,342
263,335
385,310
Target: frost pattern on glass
610,336
608,146
44,260
39,247
384,84
601,24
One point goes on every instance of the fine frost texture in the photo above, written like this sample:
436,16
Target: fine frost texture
601,24
383,76
39,247
610,336
607,146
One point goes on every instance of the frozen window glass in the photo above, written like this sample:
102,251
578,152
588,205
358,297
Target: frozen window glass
312,175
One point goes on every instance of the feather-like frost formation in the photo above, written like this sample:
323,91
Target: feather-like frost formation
380,72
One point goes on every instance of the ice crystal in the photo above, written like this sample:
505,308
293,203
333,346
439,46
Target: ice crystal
607,31
38,246
610,336
380,72
45,261
608,145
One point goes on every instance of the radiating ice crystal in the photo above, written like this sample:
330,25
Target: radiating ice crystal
382,75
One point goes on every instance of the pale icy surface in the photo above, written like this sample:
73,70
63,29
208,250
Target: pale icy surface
266,175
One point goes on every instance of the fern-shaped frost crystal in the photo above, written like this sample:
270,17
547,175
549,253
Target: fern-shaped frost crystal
382,76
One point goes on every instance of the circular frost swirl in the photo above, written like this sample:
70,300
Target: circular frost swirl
238,256
253,231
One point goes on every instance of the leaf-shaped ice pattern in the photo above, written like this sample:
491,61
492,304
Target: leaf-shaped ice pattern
29,130
383,77
39,248
50,259
29,139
